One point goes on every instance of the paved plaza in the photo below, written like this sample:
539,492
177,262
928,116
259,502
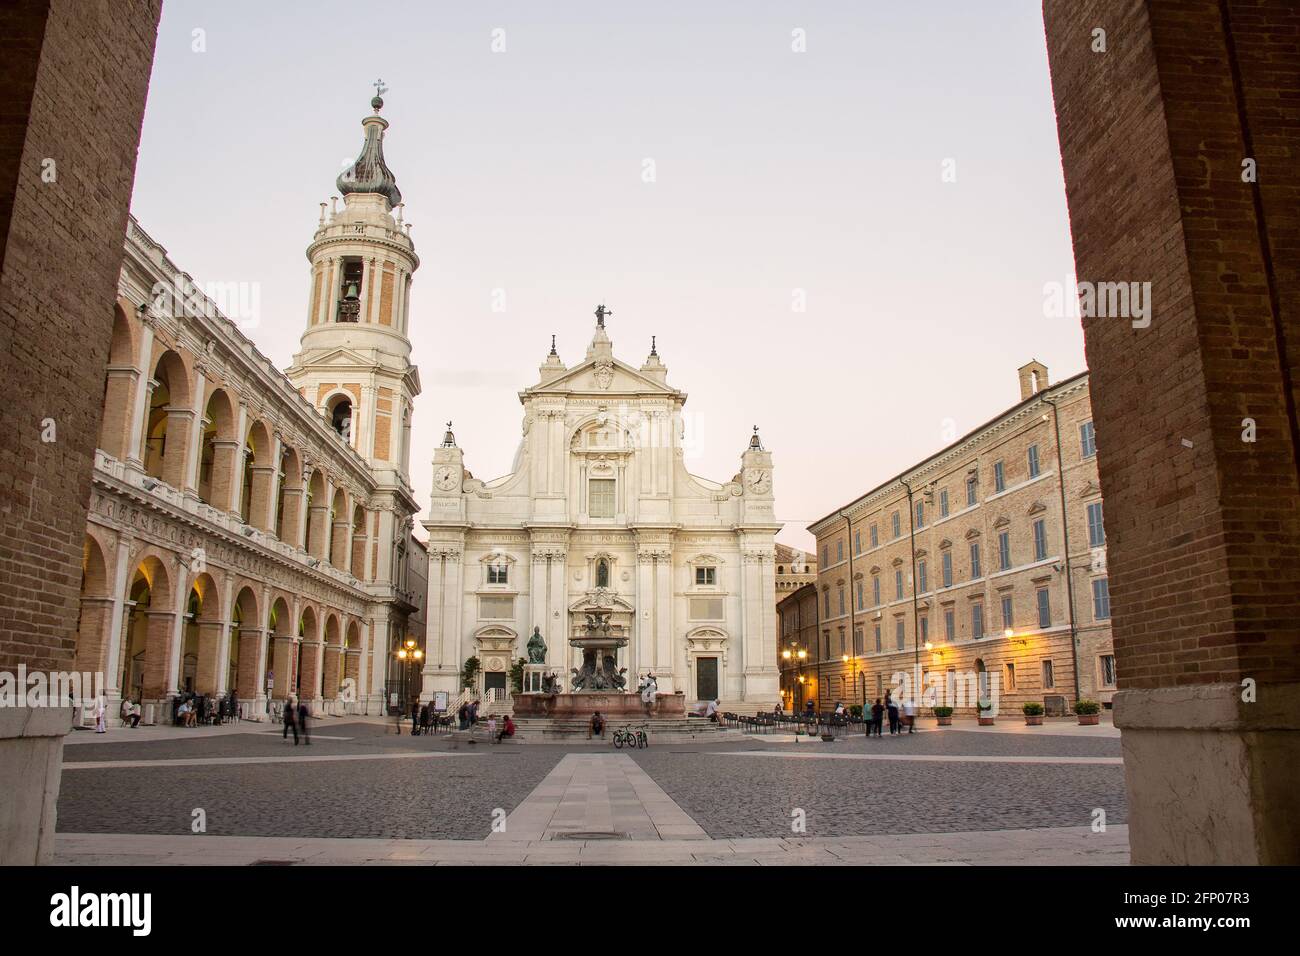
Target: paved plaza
361,793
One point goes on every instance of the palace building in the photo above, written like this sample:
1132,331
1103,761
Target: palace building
251,530
987,558
599,516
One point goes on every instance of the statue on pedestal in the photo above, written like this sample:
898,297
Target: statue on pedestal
536,647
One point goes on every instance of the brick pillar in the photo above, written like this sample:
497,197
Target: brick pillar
310,685
330,676
285,651
1159,136
339,544
157,654
251,650
223,463
318,536
93,636
119,411
260,513
289,528
206,675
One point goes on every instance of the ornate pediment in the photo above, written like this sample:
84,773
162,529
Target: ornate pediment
602,599
603,376
1002,522
1037,508
972,534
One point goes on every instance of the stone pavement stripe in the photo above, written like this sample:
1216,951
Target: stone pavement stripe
1052,845
216,761
934,758
597,793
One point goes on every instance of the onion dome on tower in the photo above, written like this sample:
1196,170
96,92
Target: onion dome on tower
369,173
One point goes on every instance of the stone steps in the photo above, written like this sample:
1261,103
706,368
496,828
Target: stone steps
666,730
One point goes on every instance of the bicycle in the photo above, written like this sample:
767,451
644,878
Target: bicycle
634,739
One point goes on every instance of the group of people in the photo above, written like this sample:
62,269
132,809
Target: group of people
899,716
296,715
193,709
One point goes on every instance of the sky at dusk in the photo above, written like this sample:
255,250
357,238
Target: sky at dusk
798,253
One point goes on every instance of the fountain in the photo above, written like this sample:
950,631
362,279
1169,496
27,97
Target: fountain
600,684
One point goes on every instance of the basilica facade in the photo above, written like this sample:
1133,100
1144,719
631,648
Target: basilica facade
250,530
599,518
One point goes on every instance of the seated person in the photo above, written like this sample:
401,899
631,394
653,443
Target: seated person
507,729
711,711
135,714
597,728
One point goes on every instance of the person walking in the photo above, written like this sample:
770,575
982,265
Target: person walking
877,717
100,708
492,727
415,717
891,707
424,719
290,721
909,715
303,713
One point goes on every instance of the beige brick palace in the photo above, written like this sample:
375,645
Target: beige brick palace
961,564
250,530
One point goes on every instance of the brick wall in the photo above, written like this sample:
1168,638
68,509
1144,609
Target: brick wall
82,66
1203,541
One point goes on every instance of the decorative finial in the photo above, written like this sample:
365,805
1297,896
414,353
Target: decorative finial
754,443
601,312
653,349
378,102
448,439
553,352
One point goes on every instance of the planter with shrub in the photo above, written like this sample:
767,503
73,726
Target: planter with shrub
944,716
1088,712
985,709
1033,713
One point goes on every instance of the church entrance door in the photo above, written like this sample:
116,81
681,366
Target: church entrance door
706,678
494,680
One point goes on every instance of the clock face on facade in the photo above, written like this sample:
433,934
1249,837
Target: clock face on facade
445,478
758,480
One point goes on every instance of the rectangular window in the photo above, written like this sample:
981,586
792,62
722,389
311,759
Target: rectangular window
706,576
1108,670
975,569
947,569
897,525
498,574
1049,675
827,602
1033,461
920,514
943,503
1087,440
1096,529
706,609
1101,599
857,642
899,633
496,608
841,654
600,497
925,628
999,477
1040,540
1004,550
949,624
1044,608
1007,614
921,578
826,555
977,620
972,491
898,584
877,636
824,651
875,591
875,537
1011,676
840,593
858,591
839,550
857,541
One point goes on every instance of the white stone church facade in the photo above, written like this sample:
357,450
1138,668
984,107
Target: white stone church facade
600,514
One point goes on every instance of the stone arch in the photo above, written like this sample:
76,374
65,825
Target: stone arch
280,647
96,606
352,650
316,539
340,412
245,643
258,471
360,538
332,668
306,667
201,635
288,509
167,420
217,449
119,387
339,526
146,641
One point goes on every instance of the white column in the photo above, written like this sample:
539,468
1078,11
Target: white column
142,387
237,478
223,649
373,289
559,613
273,505
193,462
174,652
643,625
121,580
451,613
664,660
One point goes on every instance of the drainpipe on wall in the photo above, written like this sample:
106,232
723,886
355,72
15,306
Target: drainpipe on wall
848,536
1065,534
916,626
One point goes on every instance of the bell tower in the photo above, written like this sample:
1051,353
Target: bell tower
354,364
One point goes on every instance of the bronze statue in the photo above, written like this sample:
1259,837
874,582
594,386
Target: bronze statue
536,647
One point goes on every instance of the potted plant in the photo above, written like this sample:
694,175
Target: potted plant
1088,712
985,708
469,673
1033,714
944,716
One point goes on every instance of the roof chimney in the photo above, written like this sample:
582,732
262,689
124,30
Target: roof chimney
1033,379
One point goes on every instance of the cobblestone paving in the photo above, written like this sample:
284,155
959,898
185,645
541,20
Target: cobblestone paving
737,796
439,798
453,797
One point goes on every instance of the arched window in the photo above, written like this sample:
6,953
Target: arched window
341,419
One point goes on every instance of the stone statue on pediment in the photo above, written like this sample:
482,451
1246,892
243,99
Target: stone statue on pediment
536,647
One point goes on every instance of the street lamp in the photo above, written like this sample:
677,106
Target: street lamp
854,673
792,653
409,653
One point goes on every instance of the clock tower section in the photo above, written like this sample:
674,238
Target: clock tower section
354,364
